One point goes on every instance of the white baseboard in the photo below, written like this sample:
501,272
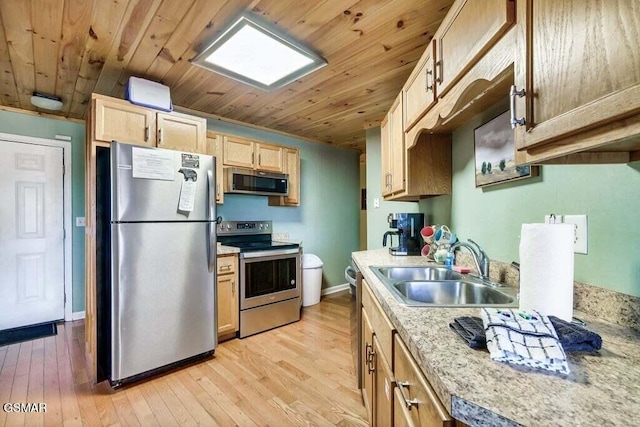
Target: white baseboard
77,315
334,289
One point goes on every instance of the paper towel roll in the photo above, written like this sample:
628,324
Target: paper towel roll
546,269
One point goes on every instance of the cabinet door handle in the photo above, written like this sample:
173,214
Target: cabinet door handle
225,267
233,287
407,402
160,136
218,190
515,122
146,133
371,367
439,71
368,349
259,159
428,87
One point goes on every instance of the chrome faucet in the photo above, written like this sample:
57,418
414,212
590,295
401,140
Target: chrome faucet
480,257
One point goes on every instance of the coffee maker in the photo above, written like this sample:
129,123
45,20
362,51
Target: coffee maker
408,226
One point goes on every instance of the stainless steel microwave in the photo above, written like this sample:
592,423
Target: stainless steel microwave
248,181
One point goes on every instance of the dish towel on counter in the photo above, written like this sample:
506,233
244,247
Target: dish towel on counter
523,338
471,330
573,338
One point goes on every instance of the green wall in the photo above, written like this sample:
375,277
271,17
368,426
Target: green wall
608,194
377,223
30,125
327,220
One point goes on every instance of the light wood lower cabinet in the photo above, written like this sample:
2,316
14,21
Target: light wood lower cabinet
227,296
367,366
377,351
416,395
384,383
395,392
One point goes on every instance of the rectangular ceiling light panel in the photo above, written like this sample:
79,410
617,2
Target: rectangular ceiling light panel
255,54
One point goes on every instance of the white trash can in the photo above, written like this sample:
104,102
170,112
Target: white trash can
311,279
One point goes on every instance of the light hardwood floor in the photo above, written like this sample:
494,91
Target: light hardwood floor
299,374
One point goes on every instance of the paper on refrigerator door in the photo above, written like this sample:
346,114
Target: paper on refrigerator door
152,164
187,196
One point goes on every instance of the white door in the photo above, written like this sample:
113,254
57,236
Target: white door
31,234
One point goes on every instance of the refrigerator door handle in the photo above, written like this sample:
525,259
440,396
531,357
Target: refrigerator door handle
211,216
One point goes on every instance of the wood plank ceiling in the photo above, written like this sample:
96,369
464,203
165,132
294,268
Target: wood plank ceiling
71,48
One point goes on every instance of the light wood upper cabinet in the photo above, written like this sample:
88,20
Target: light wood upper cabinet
242,152
238,152
181,132
118,120
470,29
214,148
269,157
578,64
228,302
422,407
419,92
292,168
393,152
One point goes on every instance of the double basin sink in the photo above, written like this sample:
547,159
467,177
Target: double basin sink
434,286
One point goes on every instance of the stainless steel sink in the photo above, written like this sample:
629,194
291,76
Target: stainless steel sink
433,286
454,292
418,273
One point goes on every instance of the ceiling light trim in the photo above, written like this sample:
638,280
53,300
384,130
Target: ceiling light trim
266,28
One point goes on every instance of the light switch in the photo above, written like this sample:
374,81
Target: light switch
376,202
80,221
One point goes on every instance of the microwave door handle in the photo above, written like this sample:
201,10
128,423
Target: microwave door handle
211,217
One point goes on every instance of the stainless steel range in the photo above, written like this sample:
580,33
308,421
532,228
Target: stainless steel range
270,281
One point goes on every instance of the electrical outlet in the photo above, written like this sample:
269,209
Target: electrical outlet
580,230
376,202
80,221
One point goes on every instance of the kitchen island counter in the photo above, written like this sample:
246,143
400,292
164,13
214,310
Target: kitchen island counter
602,388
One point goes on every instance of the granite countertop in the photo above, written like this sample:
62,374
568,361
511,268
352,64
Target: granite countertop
227,250
602,388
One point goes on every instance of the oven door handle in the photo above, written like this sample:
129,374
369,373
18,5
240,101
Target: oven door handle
269,253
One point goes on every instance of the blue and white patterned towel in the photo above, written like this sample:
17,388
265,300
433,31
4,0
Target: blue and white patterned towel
523,338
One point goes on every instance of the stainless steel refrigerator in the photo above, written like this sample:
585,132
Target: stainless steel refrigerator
156,260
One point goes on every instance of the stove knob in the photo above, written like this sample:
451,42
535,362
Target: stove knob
266,226
260,226
228,226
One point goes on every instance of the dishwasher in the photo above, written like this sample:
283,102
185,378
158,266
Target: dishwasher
354,277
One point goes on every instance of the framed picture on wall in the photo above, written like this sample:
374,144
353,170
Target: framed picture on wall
495,154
